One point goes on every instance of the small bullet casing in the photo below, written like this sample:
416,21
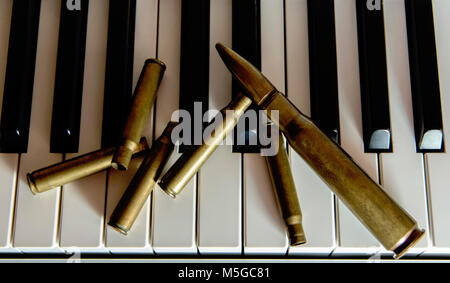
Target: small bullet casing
137,193
176,178
70,170
143,100
286,194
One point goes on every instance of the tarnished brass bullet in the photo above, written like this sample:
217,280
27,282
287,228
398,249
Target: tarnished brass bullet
286,194
389,223
137,193
190,162
144,97
70,170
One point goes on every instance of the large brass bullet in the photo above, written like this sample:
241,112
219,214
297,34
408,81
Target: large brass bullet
137,193
144,97
389,223
68,171
286,194
190,162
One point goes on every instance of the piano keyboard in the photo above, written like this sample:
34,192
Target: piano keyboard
228,209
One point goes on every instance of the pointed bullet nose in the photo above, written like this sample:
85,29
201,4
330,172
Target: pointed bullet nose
223,52
256,86
220,48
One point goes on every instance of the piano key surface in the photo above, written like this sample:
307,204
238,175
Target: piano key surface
219,205
437,164
37,217
223,213
373,78
174,221
83,201
424,75
19,77
194,53
69,77
8,162
322,67
119,69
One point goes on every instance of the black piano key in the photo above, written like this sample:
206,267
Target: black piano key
19,80
323,66
247,42
119,69
65,131
373,78
194,63
424,76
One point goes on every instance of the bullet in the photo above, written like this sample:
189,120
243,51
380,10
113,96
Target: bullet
286,194
195,156
385,219
144,98
70,170
137,193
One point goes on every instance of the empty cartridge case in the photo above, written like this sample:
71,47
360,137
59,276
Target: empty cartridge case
190,162
141,186
144,97
286,194
73,169
396,230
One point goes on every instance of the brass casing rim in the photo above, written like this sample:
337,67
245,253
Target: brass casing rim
168,191
32,184
298,240
119,228
408,241
156,61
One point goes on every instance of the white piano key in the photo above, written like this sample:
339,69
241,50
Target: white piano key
173,229
37,217
138,239
402,172
316,200
8,162
174,221
353,237
219,215
438,163
265,231
83,201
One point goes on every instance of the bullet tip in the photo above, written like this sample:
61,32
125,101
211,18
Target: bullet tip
256,86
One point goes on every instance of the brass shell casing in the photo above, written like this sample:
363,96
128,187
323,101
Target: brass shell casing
389,223
68,171
174,181
143,100
137,193
286,194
